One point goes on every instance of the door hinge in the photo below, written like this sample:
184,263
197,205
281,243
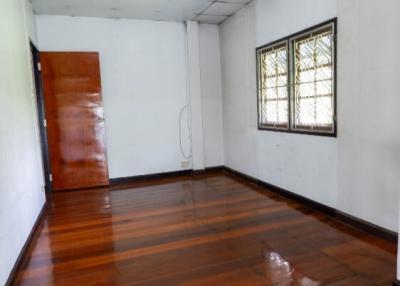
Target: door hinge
45,123
51,178
39,66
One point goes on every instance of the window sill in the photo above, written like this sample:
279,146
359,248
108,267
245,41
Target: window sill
301,132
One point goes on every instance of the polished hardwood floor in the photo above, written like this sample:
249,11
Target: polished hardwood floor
212,229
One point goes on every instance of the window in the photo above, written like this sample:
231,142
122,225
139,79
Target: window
313,81
273,78
296,82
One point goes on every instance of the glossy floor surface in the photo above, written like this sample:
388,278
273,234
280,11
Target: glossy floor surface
204,230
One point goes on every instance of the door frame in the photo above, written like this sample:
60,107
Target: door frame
38,81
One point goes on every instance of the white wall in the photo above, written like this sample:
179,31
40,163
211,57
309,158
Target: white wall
237,36
276,19
306,165
210,66
355,172
369,138
21,176
143,69
143,137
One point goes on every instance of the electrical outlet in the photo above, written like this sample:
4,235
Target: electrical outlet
185,164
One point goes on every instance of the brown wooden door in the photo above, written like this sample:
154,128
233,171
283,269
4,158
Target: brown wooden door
75,121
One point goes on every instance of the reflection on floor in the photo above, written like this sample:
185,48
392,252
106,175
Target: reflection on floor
205,230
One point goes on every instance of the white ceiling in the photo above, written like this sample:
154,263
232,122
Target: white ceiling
204,11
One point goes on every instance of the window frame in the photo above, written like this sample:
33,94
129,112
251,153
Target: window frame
259,52
289,42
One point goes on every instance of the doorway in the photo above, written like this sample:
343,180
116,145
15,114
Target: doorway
72,119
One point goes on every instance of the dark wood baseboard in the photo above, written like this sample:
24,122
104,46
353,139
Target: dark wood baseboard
215,168
396,283
332,212
18,263
156,176
123,180
368,227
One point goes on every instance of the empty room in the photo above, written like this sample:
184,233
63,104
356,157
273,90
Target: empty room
199,142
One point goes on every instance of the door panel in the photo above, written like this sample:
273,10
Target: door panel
75,120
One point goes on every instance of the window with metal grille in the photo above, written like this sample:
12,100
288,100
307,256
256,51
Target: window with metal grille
273,86
313,81
296,82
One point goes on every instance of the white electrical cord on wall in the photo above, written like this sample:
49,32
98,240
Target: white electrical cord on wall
186,156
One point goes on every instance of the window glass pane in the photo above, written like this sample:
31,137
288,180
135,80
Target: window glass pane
325,105
313,81
282,113
270,82
305,76
306,111
324,73
273,86
270,94
305,90
324,87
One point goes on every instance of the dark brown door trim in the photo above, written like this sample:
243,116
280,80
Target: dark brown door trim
41,114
